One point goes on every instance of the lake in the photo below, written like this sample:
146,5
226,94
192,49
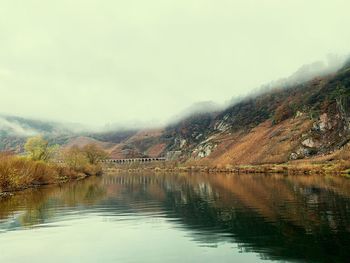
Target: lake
149,217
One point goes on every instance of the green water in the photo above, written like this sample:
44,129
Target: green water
180,218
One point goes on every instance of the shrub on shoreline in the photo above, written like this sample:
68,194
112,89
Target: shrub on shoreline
19,172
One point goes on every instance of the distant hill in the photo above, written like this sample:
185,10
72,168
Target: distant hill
310,119
301,121
15,130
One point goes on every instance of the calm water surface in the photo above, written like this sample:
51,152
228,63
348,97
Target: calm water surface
180,218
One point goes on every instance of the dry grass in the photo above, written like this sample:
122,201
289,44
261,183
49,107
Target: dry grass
20,172
265,144
336,162
332,168
156,150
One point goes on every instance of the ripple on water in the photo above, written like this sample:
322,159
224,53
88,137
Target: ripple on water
228,217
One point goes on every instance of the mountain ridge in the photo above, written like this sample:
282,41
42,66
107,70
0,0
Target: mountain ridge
282,124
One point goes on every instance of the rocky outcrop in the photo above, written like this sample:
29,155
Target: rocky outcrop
323,102
343,106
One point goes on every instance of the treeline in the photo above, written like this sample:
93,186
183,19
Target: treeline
45,164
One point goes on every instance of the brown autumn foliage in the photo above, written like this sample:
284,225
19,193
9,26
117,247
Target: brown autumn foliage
84,160
94,153
264,144
19,172
283,112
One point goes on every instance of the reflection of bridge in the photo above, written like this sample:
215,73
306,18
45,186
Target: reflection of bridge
135,160
133,180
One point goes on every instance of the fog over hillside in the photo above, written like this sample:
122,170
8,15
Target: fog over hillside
25,127
105,62
300,116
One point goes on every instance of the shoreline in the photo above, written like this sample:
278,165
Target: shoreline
11,192
287,169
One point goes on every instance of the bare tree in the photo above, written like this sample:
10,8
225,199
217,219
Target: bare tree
94,153
39,149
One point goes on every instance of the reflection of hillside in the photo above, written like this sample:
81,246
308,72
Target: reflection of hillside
281,217
296,199
291,216
32,205
285,218
275,198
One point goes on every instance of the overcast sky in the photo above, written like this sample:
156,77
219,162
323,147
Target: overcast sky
110,61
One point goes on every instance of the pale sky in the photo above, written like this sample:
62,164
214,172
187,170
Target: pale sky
111,61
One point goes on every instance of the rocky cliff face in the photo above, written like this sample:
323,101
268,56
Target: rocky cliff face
283,124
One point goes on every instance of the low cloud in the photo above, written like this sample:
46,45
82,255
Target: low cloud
16,128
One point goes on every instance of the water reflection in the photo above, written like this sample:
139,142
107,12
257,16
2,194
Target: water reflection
294,218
